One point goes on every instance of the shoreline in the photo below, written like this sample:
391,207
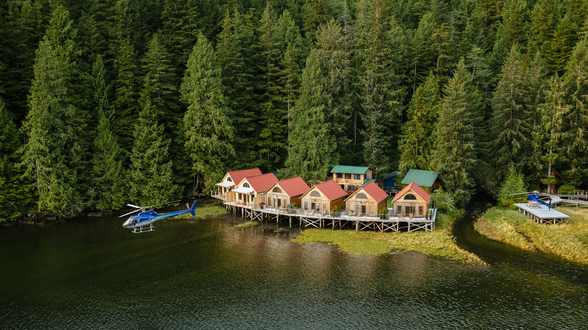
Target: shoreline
567,241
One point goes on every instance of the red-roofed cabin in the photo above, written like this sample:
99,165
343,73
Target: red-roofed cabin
248,192
324,197
368,200
231,179
412,201
284,193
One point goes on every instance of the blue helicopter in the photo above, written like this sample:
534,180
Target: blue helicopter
147,218
533,198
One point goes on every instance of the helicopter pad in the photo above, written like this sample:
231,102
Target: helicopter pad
542,214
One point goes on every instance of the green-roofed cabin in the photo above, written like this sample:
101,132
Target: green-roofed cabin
427,180
351,178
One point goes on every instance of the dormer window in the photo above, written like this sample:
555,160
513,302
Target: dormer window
410,197
229,179
315,194
246,185
361,196
277,190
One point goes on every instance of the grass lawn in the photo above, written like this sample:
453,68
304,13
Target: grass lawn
437,242
513,227
204,211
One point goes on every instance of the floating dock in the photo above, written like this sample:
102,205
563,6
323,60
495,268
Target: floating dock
542,214
334,219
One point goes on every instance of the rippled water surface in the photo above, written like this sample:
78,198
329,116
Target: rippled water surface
90,273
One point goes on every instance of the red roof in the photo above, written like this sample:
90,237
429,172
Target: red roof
294,186
375,191
416,189
238,176
263,182
331,190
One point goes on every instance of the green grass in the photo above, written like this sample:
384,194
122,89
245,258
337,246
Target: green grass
205,211
569,241
247,224
437,242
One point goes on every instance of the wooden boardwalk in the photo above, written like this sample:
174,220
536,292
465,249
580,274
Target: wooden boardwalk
542,214
309,219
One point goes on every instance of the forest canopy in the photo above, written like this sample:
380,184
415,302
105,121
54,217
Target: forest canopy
104,102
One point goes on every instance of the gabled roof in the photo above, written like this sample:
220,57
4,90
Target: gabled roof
416,189
421,177
391,175
293,186
350,169
238,176
372,189
261,183
331,190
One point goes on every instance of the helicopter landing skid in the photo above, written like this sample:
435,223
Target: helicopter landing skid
138,230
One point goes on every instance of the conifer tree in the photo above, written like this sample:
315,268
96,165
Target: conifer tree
127,90
207,123
159,82
454,154
108,177
416,140
15,194
315,13
150,174
542,26
511,120
421,50
380,40
576,80
54,153
272,138
553,111
312,143
334,54
234,53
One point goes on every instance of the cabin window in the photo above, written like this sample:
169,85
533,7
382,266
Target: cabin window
315,194
409,209
399,209
410,197
357,176
351,188
342,186
279,202
361,196
339,175
306,205
421,210
246,185
229,179
347,176
277,190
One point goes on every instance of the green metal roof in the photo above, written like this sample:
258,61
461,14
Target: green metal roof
368,181
350,169
391,175
421,177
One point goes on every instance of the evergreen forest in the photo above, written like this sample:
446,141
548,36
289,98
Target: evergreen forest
107,102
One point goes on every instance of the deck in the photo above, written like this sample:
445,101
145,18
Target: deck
542,214
310,219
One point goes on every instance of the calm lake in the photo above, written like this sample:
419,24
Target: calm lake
90,273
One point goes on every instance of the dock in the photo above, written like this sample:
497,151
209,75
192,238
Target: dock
542,214
311,219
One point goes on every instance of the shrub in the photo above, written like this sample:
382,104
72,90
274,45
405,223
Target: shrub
514,184
567,189
443,201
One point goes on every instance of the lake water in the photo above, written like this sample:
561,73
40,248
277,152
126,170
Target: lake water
90,273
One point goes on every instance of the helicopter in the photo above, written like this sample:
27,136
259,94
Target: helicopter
533,198
147,218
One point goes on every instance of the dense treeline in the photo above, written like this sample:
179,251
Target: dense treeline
104,102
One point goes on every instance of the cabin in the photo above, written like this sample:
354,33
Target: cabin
369,200
350,178
324,197
231,179
250,191
412,201
427,180
284,193
390,181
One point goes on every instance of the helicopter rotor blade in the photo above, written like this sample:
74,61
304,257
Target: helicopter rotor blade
163,204
135,206
124,215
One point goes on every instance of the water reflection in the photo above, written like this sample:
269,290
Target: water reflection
92,274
